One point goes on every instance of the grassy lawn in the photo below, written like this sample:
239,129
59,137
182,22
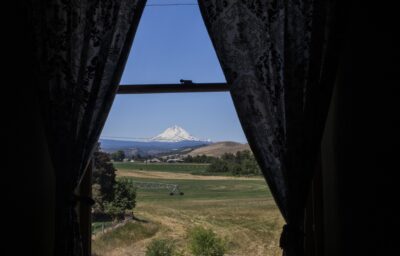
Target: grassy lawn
240,211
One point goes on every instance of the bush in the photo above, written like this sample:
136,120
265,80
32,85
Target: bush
124,199
204,242
160,247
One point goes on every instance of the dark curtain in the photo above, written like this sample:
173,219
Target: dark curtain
279,57
80,49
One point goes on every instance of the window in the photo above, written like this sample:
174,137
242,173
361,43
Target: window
180,150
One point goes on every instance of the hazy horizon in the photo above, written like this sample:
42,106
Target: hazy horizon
150,139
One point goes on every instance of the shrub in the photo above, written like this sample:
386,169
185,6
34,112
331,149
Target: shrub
124,199
204,242
160,247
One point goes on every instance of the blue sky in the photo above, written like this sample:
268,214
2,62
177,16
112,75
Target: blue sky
172,43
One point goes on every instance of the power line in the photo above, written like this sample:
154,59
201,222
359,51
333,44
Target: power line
120,137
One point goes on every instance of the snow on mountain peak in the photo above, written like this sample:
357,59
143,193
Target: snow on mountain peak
174,134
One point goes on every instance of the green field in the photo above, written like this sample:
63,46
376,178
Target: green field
205,190
162,167
239,210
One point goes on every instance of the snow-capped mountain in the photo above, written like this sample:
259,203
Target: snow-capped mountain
174,134
174,139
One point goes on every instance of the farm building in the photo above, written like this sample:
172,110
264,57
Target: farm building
153,160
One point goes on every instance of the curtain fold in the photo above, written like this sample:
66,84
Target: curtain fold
279,58
81,47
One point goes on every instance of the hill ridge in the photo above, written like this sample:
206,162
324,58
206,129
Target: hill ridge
217,149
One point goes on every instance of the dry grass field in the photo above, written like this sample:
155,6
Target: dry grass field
240,210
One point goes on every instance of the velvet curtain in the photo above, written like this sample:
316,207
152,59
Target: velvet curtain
81,47
279,58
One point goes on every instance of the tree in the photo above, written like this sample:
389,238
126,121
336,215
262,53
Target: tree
188,159
118,155
111,197
124,199
103,179
218,165
228,157
249,163
241,163
199,159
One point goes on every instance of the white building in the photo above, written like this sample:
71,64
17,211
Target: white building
153,160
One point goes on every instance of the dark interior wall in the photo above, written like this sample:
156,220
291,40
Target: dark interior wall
358,150
27,180
35,198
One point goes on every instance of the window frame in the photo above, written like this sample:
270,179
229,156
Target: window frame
85,211
183,87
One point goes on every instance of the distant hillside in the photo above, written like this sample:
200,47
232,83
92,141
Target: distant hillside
148,148
219,148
